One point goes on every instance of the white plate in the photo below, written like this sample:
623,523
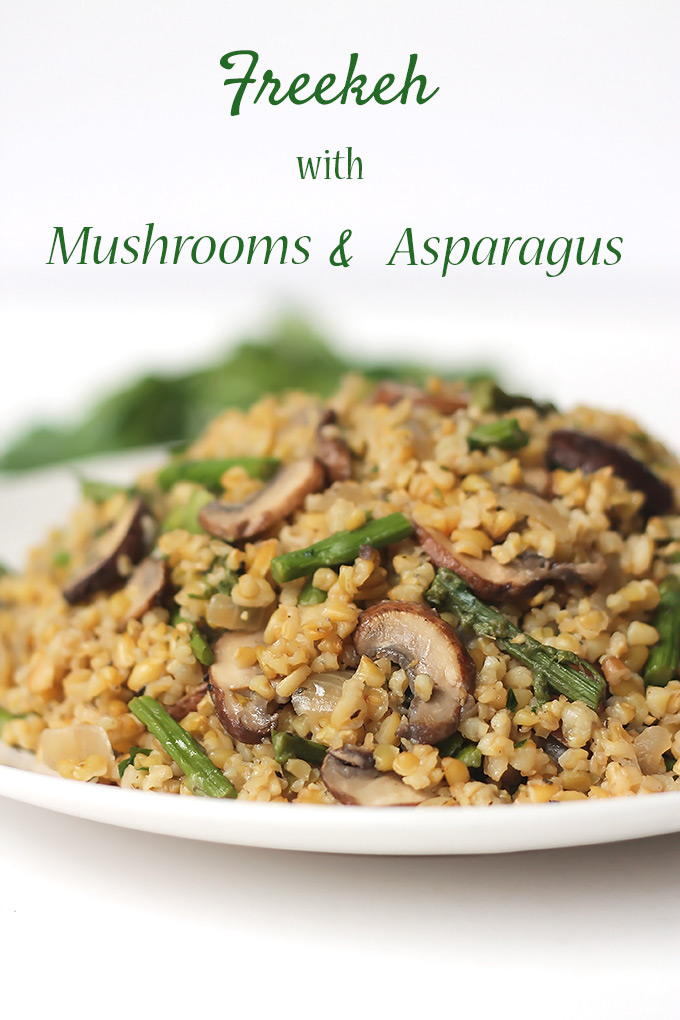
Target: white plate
29,506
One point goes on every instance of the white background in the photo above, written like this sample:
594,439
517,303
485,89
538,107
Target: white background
552,119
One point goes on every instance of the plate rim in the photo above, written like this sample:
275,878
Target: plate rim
328,828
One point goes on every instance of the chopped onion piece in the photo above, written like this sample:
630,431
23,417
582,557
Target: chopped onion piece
650,747
528,504
74,743
224,614
319,694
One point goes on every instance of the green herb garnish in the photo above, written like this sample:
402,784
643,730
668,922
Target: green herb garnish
134,751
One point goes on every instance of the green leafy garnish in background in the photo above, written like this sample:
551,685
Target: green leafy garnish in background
161,409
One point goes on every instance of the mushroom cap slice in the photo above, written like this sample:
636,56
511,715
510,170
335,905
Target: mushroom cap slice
280,496
390,393
349,773
124,538
510,582
332,450
421,642
188,702
146,586
570,450
244,714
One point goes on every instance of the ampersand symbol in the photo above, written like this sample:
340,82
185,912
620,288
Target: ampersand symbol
337,256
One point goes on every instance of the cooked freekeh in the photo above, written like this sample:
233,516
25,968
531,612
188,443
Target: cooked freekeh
400,596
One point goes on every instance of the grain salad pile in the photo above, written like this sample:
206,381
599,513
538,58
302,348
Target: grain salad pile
401,596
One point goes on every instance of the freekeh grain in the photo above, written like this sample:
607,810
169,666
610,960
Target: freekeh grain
65,667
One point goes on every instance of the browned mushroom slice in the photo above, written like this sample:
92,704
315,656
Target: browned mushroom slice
554,747
146,586
511,582
420,642
187,703
244,714
283,494
351,776
391,393
571,450
332,450
125,538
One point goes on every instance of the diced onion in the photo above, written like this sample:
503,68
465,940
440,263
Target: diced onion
73,743
650,747
319,694
528,504
224,614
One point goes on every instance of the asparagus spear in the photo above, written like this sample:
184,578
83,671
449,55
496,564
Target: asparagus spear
204,777
488,396
565,672
208,472
290,745
342,547
201,648
311,596
186,516
664,657
504,433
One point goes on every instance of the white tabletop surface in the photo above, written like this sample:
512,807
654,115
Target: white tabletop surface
180,927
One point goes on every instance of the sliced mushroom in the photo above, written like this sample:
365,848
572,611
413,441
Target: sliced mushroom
351,776
554,747
245,715
125,538
511,582
390,393
187,703
420,642
332,450
283,494
147,583
571,450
